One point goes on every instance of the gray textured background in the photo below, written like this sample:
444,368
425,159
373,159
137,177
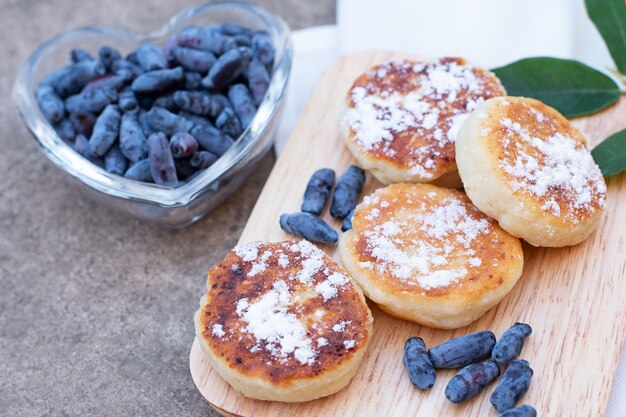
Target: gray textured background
96,308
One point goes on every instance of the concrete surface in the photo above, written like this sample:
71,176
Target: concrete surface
96,308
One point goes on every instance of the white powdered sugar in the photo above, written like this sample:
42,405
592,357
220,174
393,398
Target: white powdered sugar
283,260
261,265
269,320
426,102
349,344
452,218
274,317
330,287
375,119
218,330
475,262
556,169
241,306
429,263
341,326
247,252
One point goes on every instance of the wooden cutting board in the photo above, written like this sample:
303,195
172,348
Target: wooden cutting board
574,297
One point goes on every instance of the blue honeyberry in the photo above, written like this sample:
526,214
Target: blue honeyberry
112,81
73,78
65,130
202,159
206,39
50,103
472,379
347,222
463,350
347,192
108,56
162,164
78,55
521,411
162,120
93,100
193,80
140,171
317,191
114,161
194,59
227,67
133,141
309,227
421,372
212,139
263,49
196,102
219,102
127,101
83,122
510,344
105,131
258,80
243,103
183,145
149,57
512,386
228,122
158,81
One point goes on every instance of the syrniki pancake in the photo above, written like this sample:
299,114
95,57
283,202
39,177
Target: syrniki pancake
525,165
283,322
426,254
401,118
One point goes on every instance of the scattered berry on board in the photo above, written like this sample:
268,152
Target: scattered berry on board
466,351
521,411
463,350
309,227
416,362
472,379
510,344
317,191
512,386
347,192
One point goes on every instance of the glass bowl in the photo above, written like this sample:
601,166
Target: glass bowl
176,207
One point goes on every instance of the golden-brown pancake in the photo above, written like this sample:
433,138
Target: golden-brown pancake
401,118
283,322
426,254
525,165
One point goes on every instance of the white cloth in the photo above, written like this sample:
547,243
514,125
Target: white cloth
486,32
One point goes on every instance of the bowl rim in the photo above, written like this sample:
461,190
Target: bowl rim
69,161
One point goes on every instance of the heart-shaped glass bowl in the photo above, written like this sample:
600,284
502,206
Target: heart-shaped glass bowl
175,207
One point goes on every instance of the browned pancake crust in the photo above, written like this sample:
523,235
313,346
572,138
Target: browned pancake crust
495,248
436,156
229,281
539,121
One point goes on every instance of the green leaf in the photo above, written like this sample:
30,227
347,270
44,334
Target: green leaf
571,87
610,154
609,16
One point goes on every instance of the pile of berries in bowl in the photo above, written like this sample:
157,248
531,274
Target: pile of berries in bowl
166,125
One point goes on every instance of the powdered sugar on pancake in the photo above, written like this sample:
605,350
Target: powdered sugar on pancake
274,317
270,321
548,164
411,112
438,255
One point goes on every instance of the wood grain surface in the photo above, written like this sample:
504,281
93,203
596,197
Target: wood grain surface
573,297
